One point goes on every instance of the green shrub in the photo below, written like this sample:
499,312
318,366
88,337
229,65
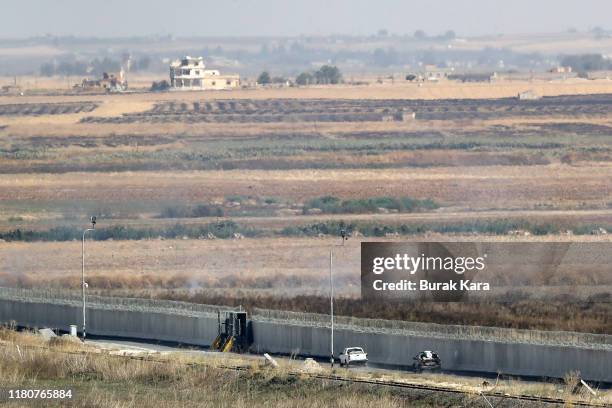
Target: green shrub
271,200
333,205
222,229
237,198
205,210
496,227
202,210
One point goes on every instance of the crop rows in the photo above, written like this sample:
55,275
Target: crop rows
344,110
36,109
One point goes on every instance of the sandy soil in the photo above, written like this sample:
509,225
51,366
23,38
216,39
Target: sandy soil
433,90
476,187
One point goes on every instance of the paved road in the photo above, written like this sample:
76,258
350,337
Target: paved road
136,347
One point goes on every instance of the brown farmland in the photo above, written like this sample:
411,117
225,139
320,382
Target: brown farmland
260,158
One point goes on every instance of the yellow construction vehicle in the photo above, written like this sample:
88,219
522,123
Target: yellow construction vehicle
233,332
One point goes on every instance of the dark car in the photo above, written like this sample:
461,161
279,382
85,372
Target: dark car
427,360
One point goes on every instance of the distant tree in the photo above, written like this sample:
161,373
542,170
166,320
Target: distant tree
71,68
328,74
305,78
296,48
420,35
279,80
450,35
105,65
47,69
143,63
586,62
599,32
385,58
264,78
160,86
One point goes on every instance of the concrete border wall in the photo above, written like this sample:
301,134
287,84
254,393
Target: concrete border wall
457,355
447,331
464,348
197,329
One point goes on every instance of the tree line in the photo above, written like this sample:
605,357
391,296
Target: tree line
325,75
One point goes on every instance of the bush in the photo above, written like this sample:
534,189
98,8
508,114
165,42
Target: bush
497,227
327,74
264,78
271,200
586,62
237,198
333,205
305,78
160,86
222,229
207,211
227,229
202,210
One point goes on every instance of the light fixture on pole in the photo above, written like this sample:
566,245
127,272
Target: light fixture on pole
331,292
83,283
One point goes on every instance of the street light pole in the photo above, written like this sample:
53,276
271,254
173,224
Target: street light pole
331,293
83,284
331,302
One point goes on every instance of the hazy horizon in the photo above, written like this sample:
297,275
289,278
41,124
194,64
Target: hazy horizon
115,18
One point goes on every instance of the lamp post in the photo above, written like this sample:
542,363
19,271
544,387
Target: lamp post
83,284
331,292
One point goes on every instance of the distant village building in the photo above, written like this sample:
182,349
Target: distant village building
190,73
528,96
599,75
433,73
561,70
430,73
108,82
11,90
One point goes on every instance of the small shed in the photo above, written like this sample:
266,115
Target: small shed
528,96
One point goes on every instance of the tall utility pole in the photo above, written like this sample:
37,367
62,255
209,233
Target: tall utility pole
331,292
331,302
83,284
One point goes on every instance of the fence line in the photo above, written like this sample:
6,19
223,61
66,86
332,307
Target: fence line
496,334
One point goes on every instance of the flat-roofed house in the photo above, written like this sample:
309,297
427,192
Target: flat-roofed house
190,73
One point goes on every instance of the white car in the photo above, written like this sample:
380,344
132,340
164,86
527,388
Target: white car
353,356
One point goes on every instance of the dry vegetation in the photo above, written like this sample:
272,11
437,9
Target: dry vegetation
491,166
564,313
292,274
101,378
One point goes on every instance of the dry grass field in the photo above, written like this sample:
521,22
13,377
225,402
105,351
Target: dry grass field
166,172
102,376
292,273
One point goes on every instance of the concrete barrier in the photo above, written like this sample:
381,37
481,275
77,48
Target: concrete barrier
458,355
198,329
134,318
462,348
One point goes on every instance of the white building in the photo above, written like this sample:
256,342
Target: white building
190,73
